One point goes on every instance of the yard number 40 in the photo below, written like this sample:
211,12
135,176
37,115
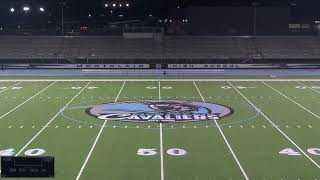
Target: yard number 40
292,152
30,152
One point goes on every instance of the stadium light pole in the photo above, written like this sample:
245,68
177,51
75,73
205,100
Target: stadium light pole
255,4
62,4
62,20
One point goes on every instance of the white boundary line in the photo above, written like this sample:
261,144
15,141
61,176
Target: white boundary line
26,101
224,138
161,139
275,126
53,118
10,87
155,80
308,87
97,139
291,100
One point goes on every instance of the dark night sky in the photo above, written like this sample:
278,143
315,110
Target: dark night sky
308,9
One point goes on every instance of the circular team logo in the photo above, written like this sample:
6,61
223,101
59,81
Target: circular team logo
159,111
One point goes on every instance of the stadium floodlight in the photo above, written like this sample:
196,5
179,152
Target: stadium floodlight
127,4
114,4
12,10
41,9
106,5
120,5
26,8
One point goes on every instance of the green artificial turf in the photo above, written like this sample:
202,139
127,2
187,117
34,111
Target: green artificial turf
267,117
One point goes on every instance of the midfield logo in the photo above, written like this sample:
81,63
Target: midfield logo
159,111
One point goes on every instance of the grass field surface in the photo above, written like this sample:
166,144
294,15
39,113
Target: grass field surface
271,131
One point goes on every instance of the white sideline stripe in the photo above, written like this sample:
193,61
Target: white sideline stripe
10,87
26,101
291,100
224,138
97,139
275,126
161,140
53,118
308,87
155,80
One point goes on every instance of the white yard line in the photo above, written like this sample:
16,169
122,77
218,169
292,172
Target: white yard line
275,126
291,100
10,87
161,140
308,87
162,80
161,154
53,118
97,139
26,101
224,137
159,90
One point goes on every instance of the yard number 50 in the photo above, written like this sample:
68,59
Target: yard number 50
153,152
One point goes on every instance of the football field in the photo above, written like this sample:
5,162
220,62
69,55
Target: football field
165,129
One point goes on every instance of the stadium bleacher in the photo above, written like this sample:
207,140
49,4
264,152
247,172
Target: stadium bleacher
288,47
90,49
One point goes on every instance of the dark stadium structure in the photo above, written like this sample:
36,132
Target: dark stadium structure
172,33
